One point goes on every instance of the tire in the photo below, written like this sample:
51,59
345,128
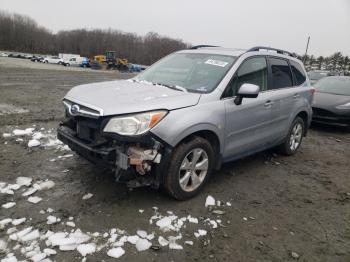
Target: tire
185,152
67,64
289,147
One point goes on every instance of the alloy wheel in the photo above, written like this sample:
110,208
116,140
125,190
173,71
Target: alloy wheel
193,169
295,137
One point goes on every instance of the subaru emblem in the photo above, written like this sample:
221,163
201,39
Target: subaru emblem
74,110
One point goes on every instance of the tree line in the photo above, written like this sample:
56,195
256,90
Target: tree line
336,62
22,34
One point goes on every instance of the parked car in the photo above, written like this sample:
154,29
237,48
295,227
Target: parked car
316,75
77,61
53,60
3,55
28,56
17,56
331,105
178,121
37,59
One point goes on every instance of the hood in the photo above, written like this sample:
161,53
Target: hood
125,96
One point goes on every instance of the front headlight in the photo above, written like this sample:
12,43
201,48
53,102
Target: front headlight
345,106
136,124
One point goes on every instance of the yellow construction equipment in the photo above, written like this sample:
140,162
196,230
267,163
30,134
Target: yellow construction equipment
100,58
113,62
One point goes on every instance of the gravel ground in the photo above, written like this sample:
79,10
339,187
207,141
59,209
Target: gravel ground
273,208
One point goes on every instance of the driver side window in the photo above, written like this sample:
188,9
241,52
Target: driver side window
252,71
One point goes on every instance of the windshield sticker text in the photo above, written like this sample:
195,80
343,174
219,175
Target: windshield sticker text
216,63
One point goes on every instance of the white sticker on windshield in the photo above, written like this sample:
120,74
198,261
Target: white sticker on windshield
202,88
216,63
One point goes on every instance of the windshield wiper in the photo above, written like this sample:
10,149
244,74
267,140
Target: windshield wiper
179,88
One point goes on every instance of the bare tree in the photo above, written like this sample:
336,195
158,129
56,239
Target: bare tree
21,33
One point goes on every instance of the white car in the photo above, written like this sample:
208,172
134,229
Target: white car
73,61
3,55
53,60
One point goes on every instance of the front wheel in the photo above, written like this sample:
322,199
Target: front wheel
189,169
294,137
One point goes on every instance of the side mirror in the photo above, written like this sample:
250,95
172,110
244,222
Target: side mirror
248,91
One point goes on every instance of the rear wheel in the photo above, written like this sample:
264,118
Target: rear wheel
189,169
294,138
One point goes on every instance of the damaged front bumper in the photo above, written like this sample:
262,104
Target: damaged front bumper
137,161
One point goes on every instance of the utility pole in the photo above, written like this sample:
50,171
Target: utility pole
307,47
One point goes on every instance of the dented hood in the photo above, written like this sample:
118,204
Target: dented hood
125,96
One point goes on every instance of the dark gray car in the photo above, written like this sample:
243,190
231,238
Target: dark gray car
174,124
331,104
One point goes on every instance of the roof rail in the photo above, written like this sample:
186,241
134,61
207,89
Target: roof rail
202,46
279,51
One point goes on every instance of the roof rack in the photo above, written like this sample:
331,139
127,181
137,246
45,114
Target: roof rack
278,51
202,46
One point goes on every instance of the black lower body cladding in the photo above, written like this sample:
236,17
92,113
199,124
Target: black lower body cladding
326,117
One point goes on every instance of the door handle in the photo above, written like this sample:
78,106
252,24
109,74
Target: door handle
268,103
296,96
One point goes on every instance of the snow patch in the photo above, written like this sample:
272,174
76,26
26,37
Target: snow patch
143,244
9,205
52,220
116,252
33,143
18,221
24,181
87,196
23,132
210,201
86,249
34,199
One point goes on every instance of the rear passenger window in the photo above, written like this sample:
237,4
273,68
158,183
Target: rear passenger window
252,71
281,74
298,73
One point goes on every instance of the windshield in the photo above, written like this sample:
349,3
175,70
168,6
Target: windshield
190,71
334,85
317,75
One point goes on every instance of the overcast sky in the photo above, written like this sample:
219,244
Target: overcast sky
230,23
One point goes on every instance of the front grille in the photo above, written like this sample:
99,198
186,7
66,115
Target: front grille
82,110
86,129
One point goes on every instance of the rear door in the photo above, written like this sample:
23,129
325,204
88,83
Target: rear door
247,125
281,91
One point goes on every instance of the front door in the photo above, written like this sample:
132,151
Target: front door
247,126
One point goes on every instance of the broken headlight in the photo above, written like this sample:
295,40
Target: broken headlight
135,124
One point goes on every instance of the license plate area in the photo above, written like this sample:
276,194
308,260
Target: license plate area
85,132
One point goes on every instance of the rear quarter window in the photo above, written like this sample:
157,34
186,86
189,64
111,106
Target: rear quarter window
281,74
298,72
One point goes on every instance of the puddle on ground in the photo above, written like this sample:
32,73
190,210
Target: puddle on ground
6,109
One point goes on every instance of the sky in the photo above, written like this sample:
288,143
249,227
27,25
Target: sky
229,23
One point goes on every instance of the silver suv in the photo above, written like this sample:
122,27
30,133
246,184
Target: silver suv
174,124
